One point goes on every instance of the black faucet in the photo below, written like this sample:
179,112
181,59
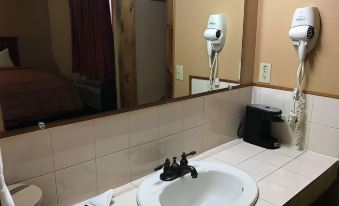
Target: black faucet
174,170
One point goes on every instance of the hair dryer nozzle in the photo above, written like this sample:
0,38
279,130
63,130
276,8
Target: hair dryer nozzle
212,34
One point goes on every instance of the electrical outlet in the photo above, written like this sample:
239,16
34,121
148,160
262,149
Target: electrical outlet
180,72
265,73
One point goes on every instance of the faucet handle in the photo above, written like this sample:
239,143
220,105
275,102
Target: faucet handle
166,164
191,153
183,161
174,163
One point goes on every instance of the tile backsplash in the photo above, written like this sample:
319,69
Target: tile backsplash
321,119
77,161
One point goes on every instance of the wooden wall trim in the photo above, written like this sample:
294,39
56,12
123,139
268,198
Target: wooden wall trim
334,96
117,33
170,48
128,72
191,77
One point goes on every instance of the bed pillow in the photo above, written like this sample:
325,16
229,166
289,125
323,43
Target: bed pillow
5,59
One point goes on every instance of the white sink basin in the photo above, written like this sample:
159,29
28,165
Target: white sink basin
217,184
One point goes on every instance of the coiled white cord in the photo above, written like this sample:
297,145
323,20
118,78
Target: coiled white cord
297,115
299,130
213,71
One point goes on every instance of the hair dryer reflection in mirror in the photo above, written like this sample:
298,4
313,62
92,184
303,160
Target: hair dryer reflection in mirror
215,34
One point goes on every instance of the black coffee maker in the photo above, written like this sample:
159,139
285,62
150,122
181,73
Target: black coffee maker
258,125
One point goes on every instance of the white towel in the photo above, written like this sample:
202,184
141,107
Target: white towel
6,198
101,200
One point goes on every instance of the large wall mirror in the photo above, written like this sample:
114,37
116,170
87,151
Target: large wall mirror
61,59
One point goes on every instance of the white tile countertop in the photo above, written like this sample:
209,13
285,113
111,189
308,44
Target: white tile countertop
284,176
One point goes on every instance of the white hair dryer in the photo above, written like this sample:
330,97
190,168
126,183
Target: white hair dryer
304,32
215,34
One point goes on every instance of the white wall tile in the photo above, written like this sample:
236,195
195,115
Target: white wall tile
137,182
273,158
288,151
289,104
229,157
143,126
27,156
170,119
125,199
193,113
209,159
248,150
289,179
324,140
231,126
304,169
272,97
111,134
143,159
287,134
274,193
245,98
318,159
169,147
47,184
256,95
77,183
212,107
212,135
193,140
326,111
113,170
123,189
72,144
256,167
231,103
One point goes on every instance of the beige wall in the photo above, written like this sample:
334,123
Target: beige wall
60,24
249,40
29,21
150,40
191,17
274,46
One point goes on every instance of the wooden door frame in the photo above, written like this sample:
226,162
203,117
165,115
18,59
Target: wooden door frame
170,46
124,35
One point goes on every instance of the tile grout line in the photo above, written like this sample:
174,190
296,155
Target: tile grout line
54,172
129,147
323,125
95,159
295,192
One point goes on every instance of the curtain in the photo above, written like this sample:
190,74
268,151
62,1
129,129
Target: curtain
92,39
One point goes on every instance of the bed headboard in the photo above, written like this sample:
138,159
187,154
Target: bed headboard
12,44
